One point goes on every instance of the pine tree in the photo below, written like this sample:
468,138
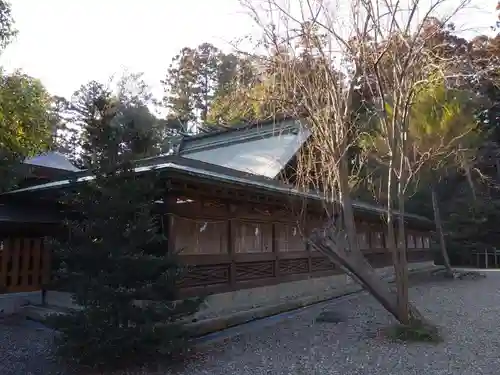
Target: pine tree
196,77
114,260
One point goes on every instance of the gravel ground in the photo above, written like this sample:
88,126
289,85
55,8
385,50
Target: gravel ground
467,311
25,348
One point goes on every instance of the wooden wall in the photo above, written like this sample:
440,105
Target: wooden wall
234,246
24,264
225,245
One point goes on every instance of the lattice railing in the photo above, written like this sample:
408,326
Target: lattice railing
254,270
204,275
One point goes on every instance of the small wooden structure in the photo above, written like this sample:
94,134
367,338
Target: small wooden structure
25,265
24,258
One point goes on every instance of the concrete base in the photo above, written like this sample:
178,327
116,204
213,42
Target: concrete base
246,299
318,289
214,323
221,311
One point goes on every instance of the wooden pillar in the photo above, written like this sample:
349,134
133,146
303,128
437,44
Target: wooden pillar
24,262
231,228
308,248
47,264
4,259
275,249
169,201
40,246
14,272
230,250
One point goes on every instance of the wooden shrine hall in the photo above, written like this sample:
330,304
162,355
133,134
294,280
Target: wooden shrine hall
228,208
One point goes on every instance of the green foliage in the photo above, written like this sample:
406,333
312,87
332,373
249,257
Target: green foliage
7,29
25,126
25,122
133,128
196,77
443,135
113,258
443,124
416,333
89,338
471,225
245,104
115,263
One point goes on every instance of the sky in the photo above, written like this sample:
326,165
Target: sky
66,43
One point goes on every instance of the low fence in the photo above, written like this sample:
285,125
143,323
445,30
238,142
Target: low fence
24,265
209,274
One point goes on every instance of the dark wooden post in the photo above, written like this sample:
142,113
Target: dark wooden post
275,251
230,249
230,245
303,227
169,201
4,259
46,270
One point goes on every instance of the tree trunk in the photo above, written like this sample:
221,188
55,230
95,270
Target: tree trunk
391,243
346,203
402,287
469,180
341,247
439,229
332,242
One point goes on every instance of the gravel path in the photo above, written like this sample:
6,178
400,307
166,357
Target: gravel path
467,310
25,348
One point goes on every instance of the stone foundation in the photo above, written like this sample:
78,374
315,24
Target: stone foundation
313,290
226,309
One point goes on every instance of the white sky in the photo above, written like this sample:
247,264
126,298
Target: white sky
66,43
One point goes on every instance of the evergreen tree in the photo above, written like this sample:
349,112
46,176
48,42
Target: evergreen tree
134,127
470,223
114,260
179,87
196,77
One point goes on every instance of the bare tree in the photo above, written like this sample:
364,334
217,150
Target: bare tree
325,58
442,134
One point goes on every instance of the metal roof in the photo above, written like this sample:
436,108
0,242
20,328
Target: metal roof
263,149
52,160
236,134
232,131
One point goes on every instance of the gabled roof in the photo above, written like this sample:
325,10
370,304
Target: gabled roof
54,162
261,149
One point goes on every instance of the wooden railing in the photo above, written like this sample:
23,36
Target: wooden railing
24,264
222,273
